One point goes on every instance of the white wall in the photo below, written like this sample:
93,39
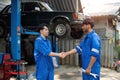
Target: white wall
102,27
100,22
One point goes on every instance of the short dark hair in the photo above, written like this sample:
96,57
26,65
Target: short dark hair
41,26
88,21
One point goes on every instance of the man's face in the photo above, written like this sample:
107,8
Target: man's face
85,28
45,31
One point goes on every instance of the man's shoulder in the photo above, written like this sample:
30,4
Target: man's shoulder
38,38
94,34
41,39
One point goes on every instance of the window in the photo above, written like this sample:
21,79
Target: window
9,10
45,6
28,7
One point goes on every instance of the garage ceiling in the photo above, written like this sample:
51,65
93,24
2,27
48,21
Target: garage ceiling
3,3
63,5
60,5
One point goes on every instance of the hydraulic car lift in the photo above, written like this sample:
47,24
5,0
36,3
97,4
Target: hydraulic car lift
12,64
14,60
16,31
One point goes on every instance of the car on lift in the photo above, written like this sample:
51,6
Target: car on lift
62,24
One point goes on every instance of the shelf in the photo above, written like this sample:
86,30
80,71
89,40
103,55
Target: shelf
16,73
13,67
12,70
9,62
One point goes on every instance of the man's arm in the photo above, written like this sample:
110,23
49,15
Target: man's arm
92,61
56,54
63,54
72,51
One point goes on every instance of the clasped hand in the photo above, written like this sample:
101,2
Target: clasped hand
62,54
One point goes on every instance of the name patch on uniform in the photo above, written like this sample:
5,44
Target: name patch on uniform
95,50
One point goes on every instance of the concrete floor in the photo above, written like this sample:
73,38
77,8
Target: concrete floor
67,72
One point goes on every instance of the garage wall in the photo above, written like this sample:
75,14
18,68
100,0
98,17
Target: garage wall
66,45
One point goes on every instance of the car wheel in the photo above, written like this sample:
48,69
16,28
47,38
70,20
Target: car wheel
61,29
2,31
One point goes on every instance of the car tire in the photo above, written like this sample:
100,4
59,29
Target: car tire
61,29
76,32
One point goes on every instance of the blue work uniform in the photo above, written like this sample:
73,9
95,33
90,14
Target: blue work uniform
44,64
90,46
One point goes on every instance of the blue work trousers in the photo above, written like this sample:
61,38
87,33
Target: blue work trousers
47,75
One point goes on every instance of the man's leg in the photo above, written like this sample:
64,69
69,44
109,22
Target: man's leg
51,74
42,74
85,76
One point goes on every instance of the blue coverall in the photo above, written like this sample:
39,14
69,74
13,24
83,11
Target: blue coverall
44,64
90,46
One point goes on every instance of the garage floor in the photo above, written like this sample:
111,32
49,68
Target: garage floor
67,72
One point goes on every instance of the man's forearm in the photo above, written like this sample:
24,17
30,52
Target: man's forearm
92,61
53,54
71,52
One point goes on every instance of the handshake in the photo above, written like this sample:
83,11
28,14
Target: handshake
62,54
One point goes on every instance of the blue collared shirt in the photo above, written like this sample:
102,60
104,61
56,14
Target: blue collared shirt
90,46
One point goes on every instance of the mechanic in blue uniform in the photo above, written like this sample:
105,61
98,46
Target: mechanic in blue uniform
42,55
90,50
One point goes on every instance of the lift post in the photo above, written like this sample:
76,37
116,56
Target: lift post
15,29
